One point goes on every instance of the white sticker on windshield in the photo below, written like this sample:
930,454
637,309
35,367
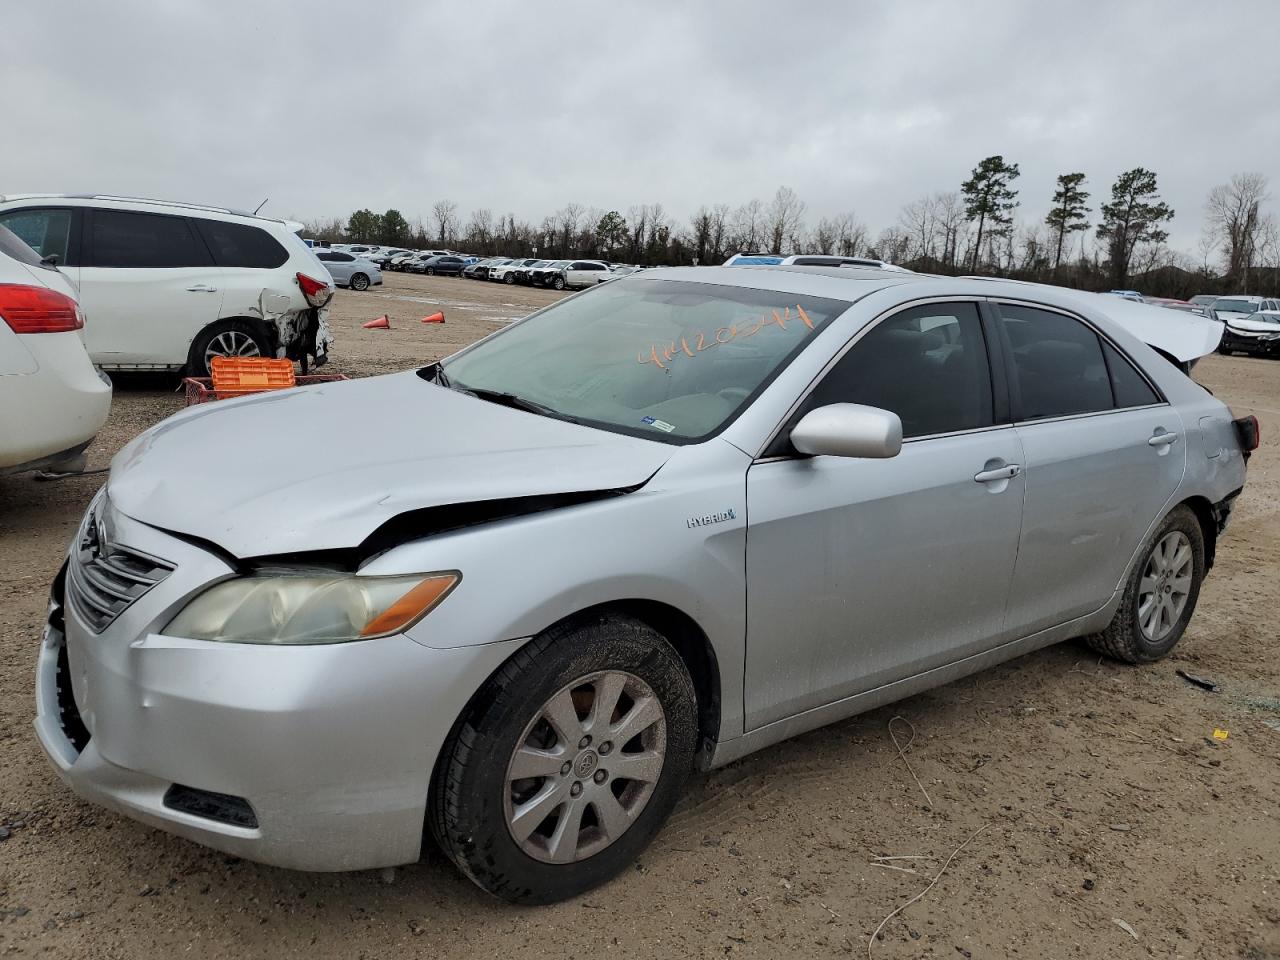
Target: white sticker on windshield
659,424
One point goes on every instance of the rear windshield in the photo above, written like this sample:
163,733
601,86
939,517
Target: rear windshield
669,360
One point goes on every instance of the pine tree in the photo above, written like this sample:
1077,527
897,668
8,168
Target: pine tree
1069,212
1132,217
990,199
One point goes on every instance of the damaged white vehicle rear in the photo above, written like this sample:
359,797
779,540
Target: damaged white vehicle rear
170,286
513,599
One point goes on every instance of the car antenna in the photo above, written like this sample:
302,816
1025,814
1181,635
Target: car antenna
260,206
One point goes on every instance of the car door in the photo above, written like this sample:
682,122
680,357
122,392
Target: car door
863,572
147,287
1103,455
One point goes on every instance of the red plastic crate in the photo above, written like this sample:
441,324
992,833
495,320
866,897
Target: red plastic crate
201,389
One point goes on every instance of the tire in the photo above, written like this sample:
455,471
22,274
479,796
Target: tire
430,271
558,283
1125,637
510,278
473,799
226,338
359,281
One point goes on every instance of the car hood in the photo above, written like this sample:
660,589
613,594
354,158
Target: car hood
1253,326
322,467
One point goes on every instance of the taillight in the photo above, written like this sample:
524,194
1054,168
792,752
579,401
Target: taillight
317,292
1249,433
28,309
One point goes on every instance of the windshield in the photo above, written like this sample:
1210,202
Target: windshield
1234,306
1265,318
666,359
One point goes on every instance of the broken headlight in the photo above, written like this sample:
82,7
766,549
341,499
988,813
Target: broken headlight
310,609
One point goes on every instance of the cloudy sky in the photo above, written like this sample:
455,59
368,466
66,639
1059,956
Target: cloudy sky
324,107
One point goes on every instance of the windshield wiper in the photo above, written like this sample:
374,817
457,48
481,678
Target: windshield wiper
517,402
442,378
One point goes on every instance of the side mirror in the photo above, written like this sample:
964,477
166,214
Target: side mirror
848,430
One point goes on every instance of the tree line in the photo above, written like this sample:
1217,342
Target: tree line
974,229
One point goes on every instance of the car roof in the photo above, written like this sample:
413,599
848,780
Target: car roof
128,202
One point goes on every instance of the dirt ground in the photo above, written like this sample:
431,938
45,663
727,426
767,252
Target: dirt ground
1109,822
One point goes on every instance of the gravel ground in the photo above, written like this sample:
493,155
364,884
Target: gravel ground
1100,801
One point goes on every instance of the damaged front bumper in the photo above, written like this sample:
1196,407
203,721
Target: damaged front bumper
306,757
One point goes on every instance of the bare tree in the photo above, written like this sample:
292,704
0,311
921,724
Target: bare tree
445,214
719,231
852,237
785,218
952,225
1234,213
919,221
748,226
479,232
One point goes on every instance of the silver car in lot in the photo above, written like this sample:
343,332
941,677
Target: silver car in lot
650,529
350,270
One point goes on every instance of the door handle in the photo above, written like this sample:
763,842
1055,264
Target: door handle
1162,439
202,288
1007,472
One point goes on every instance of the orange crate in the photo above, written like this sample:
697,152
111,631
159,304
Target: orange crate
237,375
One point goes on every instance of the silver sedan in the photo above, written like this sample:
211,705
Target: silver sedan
349,270
652,528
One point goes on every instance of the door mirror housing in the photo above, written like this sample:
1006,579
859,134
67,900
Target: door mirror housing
848,430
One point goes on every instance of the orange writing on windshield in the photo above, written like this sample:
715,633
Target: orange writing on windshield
693,344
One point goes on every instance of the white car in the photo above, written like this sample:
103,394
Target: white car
52,400
506,272
167,286
350,270
1230,309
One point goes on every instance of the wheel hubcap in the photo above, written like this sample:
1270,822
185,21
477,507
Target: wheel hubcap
1165,586
230,343
585,767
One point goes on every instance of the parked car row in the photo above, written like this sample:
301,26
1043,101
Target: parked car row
556,274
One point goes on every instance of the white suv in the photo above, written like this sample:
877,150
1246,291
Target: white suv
168,286
52,401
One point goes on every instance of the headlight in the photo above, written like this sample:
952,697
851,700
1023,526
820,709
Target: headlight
321,608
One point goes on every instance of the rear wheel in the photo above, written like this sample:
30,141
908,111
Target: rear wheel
431,271
359,281
226,338
1161,594
568,761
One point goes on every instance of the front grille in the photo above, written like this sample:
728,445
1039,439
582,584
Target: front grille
69,718
104,577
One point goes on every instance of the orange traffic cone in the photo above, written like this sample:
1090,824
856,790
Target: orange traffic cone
437,317
382,323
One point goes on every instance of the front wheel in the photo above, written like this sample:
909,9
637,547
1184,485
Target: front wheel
359,281
431,271
509,278
1161,594
558,283
567,762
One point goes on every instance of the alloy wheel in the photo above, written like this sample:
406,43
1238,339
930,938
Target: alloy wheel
230,343
1165,586
585,767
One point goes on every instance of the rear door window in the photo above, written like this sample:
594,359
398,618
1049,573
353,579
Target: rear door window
927,364
130,240
1059,369
241,245
49,232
